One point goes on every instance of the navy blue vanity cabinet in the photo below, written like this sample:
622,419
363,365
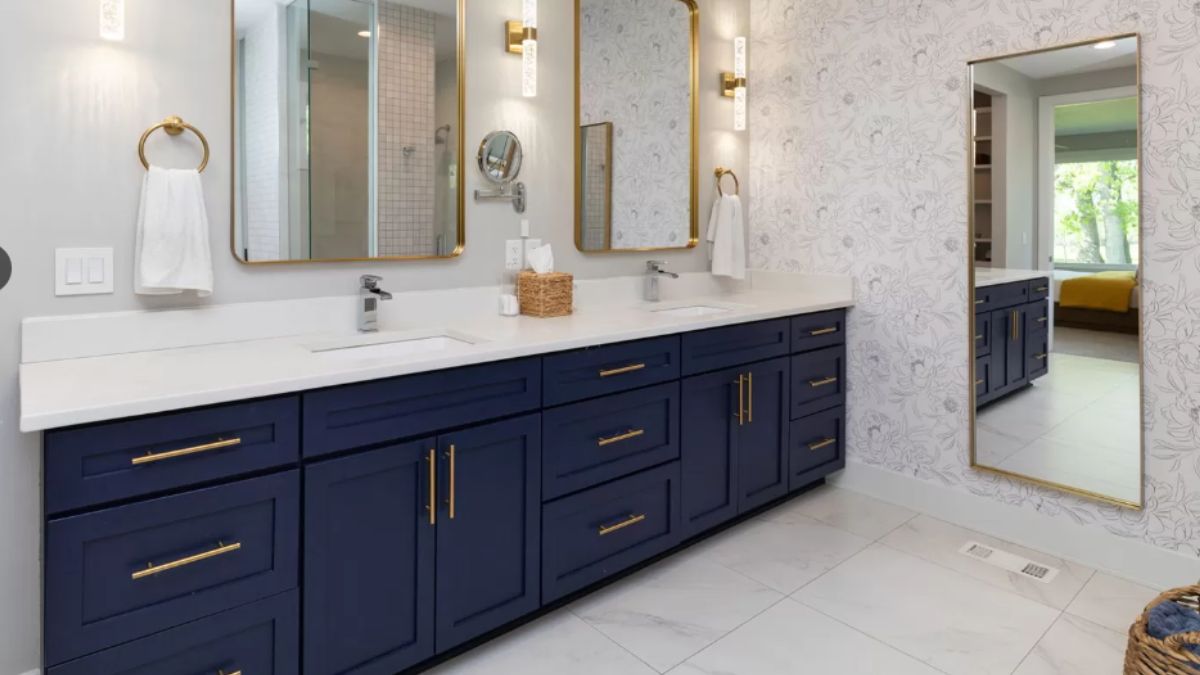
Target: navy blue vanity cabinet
762,441
596,371
817,447
369,560
731,345
263,637
1011,340
711,405
488,529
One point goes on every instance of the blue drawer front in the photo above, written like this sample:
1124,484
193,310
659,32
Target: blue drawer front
595,441
594,534
258,639
1037,316
734,345
818,381
232,544
379,412
983,334
587,373
1039,289
86,466
817,331
818,447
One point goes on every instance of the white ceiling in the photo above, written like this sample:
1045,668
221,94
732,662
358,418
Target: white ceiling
1075,60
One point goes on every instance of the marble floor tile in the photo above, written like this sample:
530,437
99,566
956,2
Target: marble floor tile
1111,602
670,611
1080,466
785,553
558,644
1075,646
790,638
955,623
846,510
939,542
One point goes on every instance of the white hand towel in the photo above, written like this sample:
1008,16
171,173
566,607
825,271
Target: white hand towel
172,253
727,238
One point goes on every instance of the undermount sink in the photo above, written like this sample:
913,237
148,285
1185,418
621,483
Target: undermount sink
394,345
692,311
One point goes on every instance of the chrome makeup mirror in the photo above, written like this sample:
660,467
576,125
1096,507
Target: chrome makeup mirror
1056,295
500,157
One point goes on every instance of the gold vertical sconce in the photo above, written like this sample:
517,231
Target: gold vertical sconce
733,85
521,37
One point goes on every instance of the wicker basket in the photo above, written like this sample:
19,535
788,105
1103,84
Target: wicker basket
546,295
1147,655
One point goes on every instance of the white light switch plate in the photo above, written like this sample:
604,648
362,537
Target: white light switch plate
83,271
512,255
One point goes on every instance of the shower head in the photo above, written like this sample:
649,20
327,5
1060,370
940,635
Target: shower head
438,138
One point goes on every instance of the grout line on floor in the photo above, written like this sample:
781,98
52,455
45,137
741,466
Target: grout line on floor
1038,642
607,637
914,516
782,597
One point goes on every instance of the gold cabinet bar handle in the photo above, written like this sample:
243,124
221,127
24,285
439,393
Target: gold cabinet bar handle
1013,320
979,302
1042,319
978,382
823,331
184,452
152,569
822,383
631,520
978,337
235,672
433,487
621,371
750,398
453,478
1040,357
822,444
741,410
632,433
1042,289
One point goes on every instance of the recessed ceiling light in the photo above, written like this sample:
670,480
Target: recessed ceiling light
1107,44
364,33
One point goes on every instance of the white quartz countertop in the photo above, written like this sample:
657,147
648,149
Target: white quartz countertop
69,391
994,276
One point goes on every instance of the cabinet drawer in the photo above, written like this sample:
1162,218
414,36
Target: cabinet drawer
1037,316
983,334
1037,353
1000,296
586,373
379,412
595,441
258,639
983,376
91,465
817,331
818,445
734,345
594,534
130,571
818,381
1039,289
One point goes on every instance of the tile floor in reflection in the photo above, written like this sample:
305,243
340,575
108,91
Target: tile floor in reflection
1079,426
832,582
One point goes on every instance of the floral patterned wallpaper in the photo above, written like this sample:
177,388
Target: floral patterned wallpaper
858,156
635,71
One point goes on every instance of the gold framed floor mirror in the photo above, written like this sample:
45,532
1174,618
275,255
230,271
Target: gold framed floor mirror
1055,257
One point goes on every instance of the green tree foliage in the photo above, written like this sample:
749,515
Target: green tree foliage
1096,212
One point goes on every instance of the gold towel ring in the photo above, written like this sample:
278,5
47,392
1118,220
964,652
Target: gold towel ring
173,126
720,173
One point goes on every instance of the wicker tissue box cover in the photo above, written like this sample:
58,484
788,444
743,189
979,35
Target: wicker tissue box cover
546,295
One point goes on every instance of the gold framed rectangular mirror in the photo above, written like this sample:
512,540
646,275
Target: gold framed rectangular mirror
636,69
1055,257
348,130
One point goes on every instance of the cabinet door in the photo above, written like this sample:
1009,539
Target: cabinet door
369,562
710,421
1015,346
488,528
762,448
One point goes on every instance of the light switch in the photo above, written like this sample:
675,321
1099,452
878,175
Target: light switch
83,271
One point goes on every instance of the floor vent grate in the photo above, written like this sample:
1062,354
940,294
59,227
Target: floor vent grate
1008,561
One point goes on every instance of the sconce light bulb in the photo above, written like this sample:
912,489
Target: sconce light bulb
739,57
739,109
112,20
529,13
529,68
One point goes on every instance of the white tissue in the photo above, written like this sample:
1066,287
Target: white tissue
541,259
509,305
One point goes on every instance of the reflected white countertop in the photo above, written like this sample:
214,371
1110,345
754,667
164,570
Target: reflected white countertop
189,358
994,276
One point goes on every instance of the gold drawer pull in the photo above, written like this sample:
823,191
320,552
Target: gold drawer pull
235,672
978,337
621,371
823,331
453,456
632,433
1040,357
195,449
978,382
432,508
979,302
750,398
632,520
822,444
1042,289
822,383
1041,319
741,413
152,569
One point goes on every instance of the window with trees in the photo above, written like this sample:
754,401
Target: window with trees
1096,213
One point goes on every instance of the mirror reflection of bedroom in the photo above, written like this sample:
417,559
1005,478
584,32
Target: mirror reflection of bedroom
1056,226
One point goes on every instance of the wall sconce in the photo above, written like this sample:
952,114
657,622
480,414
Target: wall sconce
521,38
733,85
112,20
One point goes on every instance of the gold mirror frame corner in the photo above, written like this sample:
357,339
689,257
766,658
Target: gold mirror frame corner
971,269
694,201
460,247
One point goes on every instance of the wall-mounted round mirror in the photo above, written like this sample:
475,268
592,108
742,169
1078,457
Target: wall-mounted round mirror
500,157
